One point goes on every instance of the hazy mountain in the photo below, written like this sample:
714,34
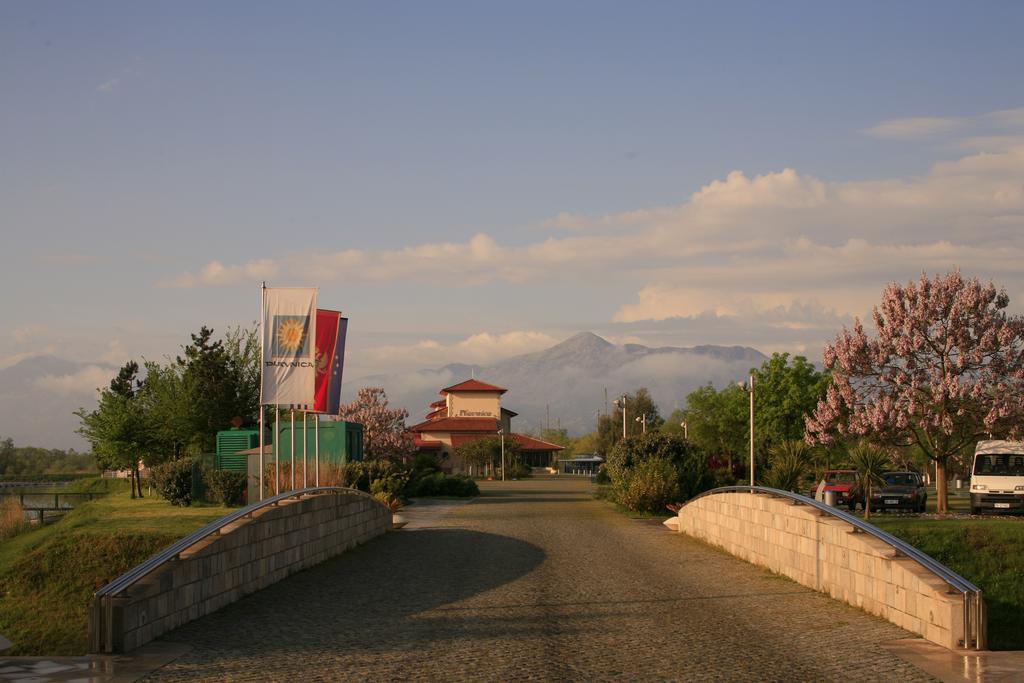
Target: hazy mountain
38,397
569,378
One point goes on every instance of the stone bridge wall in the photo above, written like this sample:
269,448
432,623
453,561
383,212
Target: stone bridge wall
825,554
246,556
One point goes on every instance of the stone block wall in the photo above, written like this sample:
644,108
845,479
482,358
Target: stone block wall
826,554
247,555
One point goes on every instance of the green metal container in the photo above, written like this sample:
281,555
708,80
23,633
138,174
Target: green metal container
340,442
229,443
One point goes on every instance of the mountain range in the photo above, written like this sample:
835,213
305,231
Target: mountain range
564,385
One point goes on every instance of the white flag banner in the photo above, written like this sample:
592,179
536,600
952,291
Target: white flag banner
289,349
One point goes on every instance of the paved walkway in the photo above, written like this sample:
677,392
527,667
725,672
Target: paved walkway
537,580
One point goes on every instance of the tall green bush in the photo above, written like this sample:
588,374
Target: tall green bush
650,486
789,462
224,487
688,462
173,481
375,476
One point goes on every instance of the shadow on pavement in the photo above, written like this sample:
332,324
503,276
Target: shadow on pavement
366,599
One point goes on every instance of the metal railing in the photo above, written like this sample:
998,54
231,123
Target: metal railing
172,552
974,609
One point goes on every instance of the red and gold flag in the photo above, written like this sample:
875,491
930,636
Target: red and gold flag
326,348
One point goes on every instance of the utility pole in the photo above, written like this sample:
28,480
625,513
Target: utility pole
751,429
749,388
642,419
622,405
501,432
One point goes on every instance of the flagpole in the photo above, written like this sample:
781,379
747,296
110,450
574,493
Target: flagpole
263,296
293,450
316,446
305,441
277,449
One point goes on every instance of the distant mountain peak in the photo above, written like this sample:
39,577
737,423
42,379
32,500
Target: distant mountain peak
582,340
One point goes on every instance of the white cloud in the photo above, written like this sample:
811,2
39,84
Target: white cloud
84,381
480,348
15,358
744,247
216,273
976,200
109,86
1012,118
920,126
115,353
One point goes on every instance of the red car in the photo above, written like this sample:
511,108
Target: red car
844,483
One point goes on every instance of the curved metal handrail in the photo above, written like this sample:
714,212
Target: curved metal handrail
142,570
970,592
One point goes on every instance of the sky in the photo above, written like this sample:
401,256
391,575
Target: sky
470,181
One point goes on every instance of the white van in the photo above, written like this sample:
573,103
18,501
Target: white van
997,478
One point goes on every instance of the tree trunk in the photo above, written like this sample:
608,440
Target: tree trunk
138,480
941,504
867,502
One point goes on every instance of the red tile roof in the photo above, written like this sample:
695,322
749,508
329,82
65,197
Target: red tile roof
457,424
439,404
472,385
528,443
437,414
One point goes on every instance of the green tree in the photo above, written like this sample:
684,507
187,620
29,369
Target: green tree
118,429
207,389
718,421
487,451
169,414
673,423
870,463
785,393
561,437
637,404
29,460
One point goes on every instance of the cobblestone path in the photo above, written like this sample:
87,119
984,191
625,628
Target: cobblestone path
537,580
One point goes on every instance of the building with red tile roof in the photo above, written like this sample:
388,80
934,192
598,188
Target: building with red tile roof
470,411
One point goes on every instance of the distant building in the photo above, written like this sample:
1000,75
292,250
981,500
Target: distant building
470,411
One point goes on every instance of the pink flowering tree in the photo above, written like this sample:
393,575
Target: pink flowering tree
945,369
384,433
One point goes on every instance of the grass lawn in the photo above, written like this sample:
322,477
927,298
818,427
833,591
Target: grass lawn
48,574
987,552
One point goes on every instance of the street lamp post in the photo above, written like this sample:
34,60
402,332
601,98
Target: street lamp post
749,388
501,433
642,419
621,403
686,433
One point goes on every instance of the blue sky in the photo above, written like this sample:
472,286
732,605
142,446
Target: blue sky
472,180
